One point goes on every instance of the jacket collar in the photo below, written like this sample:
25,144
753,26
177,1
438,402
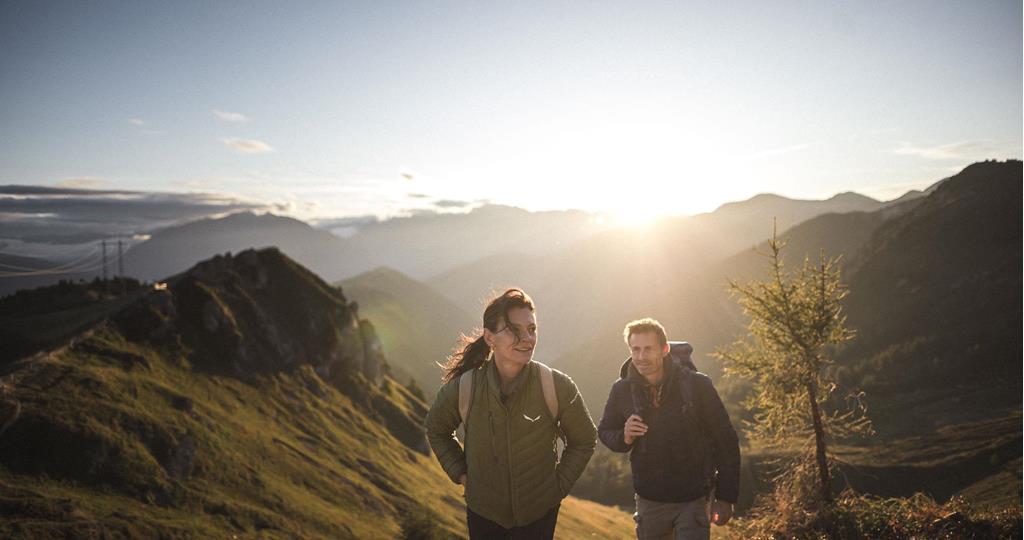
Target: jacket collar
630,373
494,380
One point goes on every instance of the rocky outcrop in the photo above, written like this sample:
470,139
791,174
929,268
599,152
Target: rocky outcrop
256,313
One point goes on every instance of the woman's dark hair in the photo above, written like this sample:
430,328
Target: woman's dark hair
472,352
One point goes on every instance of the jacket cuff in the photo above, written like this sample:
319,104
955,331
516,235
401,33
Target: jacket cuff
726,495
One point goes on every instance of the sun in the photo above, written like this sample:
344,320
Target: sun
632,165
631,220
643,201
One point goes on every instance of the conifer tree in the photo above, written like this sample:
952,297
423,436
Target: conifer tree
795,320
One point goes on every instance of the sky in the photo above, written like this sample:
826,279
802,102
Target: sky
333,109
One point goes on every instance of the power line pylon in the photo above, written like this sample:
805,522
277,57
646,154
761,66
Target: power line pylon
106,284
120,266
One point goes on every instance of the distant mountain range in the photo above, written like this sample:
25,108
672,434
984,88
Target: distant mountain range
429,245
177,248
418,246
741,224
425,245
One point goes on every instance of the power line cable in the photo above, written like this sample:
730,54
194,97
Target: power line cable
85,263
58,267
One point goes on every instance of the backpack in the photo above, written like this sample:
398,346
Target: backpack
547,386
705,451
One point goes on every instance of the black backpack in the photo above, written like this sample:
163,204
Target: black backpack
704,451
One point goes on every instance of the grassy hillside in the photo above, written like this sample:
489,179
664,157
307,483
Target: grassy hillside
247,400
115,437
936,299
33,320
417,326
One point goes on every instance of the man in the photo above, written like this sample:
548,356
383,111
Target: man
684,452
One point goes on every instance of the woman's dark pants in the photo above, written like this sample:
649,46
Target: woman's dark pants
481,528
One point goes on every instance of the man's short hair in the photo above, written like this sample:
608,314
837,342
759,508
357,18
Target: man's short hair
644,326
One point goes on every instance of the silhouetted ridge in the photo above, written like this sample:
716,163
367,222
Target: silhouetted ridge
936,296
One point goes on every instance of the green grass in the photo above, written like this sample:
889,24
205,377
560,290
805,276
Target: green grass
284,456
271,458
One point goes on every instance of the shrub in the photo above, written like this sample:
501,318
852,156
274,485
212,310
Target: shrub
856,517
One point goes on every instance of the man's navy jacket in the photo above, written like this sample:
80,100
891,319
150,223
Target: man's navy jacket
666,461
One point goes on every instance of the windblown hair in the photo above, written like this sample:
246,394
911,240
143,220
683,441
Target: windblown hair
472,352
644,326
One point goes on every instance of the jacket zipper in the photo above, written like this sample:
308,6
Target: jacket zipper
508,447
511,476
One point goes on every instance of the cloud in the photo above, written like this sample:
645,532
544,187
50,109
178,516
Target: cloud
419,212
449,203
231,116
18,190
67,215
136,121
84,183
248,146
962,150
417,195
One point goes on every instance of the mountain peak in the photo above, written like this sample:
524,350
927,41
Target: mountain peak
851,197
250,313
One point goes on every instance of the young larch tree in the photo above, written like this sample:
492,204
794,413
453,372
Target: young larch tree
795,320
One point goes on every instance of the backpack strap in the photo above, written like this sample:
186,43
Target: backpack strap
685,390
465,394
547,385
706,451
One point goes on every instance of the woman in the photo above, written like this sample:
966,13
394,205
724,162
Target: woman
514,481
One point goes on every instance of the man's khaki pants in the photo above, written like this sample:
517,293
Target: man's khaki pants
672,521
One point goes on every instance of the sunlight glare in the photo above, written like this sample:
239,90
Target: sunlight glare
636,168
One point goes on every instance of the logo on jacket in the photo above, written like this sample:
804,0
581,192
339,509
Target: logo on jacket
531,419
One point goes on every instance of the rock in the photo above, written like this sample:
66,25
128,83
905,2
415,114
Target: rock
214,317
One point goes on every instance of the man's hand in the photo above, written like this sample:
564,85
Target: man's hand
721,512
635,427
462,479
